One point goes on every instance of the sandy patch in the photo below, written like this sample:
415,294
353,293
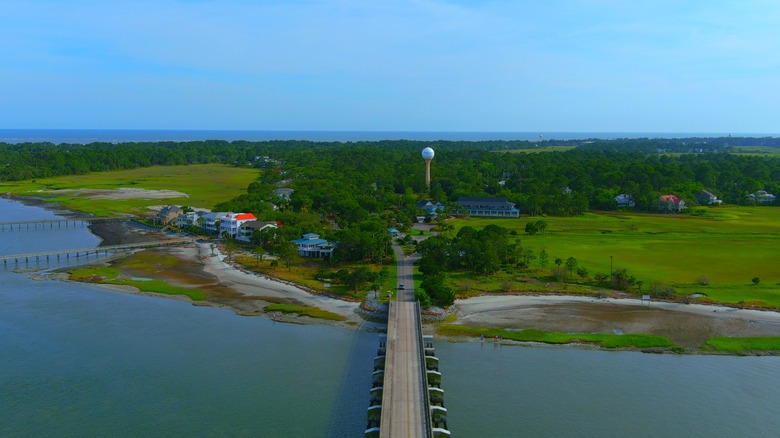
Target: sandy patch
254,285
119,194
687,325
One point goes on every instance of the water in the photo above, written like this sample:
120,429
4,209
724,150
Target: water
83,136
563,392
76,360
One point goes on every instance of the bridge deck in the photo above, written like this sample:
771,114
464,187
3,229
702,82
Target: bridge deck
404,397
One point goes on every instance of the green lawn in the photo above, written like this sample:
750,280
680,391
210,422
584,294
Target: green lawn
727,245
204,184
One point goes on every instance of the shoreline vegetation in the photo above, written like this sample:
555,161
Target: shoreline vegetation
290,307
512,301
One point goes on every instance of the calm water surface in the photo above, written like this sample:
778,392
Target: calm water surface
77,360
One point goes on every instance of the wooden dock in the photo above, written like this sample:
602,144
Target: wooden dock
77,253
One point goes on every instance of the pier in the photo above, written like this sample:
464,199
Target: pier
67,254
56,223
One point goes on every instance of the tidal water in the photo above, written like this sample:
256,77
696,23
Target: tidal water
77,360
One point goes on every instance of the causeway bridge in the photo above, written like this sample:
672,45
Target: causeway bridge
67,254
406,398
60,223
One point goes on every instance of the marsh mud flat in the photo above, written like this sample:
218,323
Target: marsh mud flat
687,325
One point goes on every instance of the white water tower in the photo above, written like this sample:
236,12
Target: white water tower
427,155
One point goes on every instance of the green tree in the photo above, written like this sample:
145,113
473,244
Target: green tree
582,272
287,252
543,258
441,295
571,264
756,280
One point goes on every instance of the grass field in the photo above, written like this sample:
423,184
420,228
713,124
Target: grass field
541,149
727,245
756,150
204,184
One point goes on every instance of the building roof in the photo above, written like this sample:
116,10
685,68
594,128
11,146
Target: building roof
671,198
258,224
245,217
484,201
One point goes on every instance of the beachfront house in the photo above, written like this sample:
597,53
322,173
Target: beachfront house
671,204
312,246
169,214
487,207
211,221
247,229
229,224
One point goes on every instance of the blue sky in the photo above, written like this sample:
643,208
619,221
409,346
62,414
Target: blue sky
392,65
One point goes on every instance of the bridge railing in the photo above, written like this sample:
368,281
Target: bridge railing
423,371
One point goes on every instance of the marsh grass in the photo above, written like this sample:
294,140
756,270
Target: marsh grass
205,185
744,345
109,275
729,245
310,311
532,335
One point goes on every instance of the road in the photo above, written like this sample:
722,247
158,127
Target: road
403,407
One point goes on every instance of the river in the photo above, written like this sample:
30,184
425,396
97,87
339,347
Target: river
77,360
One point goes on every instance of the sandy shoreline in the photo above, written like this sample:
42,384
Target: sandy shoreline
247,293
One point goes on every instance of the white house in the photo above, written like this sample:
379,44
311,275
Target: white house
762,197
706,198
232,221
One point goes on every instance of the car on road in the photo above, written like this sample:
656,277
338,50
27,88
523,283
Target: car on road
400,286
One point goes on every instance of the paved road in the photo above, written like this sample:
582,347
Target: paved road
403,407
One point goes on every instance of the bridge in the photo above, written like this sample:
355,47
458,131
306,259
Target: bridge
409,402
67,222
77,253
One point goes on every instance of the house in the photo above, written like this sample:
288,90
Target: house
232,221
393,232
430,208
284,193
762,197
706,198
247,229
671,204
487,207
169,214
624,201
211,221
312,246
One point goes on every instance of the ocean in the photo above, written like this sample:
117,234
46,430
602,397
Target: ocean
84,136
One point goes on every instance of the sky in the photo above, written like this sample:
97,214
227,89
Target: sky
392,65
